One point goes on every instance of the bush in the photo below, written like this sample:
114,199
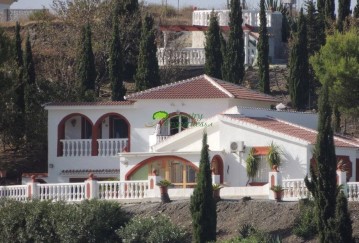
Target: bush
41,15
152,229
305,225
88,221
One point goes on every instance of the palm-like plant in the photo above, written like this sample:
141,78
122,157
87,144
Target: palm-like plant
252,165
274,155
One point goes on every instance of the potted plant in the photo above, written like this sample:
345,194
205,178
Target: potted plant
252,165
164,184
274,155
278,192
216,192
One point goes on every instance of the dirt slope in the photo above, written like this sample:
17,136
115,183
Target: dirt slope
265,215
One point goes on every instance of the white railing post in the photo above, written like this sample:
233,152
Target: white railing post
342,180
275,179
216,179
32,188
154,190
91,187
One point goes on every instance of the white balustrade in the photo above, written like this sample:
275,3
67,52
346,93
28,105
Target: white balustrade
18,193
123,189
295,189
353,191
111,147
250,17
161,138
185,56
62,191
76,147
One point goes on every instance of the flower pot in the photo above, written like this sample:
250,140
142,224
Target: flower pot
278,196
164,194
216,195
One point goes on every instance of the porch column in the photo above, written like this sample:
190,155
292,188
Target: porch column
342,180
91,187
154,190
33,189
275,179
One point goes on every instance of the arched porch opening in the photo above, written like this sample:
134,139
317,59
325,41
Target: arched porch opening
111,133
74,135
181,172
176,122
217,167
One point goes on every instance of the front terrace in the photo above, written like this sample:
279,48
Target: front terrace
78,136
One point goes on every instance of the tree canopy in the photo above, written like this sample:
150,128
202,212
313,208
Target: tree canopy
337,63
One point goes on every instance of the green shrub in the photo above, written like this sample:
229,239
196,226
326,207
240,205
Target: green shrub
152,229
88,221
305,225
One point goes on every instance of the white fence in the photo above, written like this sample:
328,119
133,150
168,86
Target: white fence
18,193
294,190
353,191
123,189
250,17
62,192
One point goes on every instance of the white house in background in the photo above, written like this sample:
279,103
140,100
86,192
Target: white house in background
5,4
129,140
193,54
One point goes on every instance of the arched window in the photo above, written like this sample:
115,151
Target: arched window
175,123
182,173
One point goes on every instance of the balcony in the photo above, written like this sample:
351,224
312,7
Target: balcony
182,57
83,147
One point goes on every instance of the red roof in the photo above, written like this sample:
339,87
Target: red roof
292,130
201,87
99,103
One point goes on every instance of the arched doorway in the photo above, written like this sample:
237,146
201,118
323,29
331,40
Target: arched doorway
112,132
217,166
181,172
74,136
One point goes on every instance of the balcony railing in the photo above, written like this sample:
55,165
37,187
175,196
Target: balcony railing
76,147
111,147
185,56
83,147
250,17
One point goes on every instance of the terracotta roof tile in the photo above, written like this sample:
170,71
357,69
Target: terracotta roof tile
98,103
292,130
201,87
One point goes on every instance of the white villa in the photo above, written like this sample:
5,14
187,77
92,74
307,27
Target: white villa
193,54
160,130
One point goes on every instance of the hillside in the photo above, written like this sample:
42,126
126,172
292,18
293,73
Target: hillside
264,215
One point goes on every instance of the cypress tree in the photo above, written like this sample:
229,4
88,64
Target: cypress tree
30,96
116,62
329,10
19,86
29,67
320,6
298,76
147,74
224,54
203,206
86,69
315,33
343,12
263,51
323,180
235,47
344,223
214,61
356,10
285,28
